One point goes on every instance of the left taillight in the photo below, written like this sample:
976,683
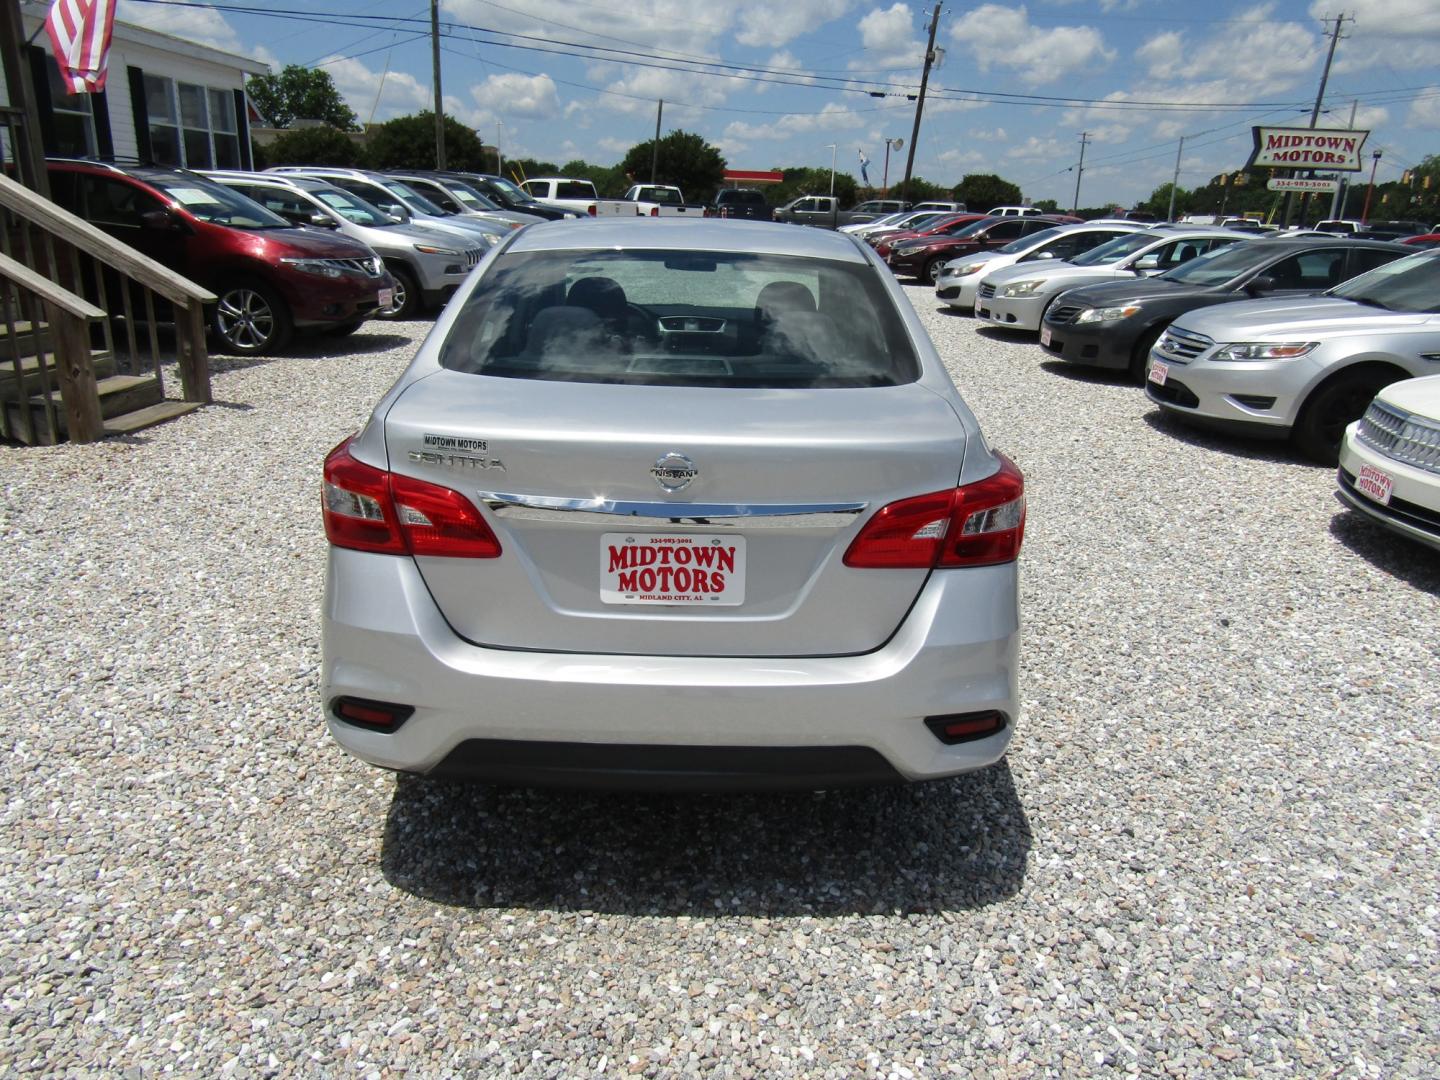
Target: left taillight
370,509
979,524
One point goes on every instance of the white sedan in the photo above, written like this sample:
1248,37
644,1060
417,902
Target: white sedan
1390,460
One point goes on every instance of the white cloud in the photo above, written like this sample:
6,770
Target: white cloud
1389,33
532,97
769,24
1035,148
399,94
201,24
1257,54
1425,112
1004,37
888,30
982,135
830,119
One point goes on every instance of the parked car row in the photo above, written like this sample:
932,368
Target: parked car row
1330,341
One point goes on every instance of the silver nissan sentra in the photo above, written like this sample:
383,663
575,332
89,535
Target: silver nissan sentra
674,504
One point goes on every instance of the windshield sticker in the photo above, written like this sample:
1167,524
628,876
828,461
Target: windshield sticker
189,196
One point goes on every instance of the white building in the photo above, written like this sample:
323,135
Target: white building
166,101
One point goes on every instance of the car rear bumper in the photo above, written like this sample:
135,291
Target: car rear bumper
862,716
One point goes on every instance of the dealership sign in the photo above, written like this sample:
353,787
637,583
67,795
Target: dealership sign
1301,183
1307,148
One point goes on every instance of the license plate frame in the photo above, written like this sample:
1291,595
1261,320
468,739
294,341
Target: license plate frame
648,569
1158,373
1044,337
385,298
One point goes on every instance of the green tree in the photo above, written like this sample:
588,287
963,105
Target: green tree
1159,201
408,142
685,160
981,191
300,93
609,180
922,190
313,146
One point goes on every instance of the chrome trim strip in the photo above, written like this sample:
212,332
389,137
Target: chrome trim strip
662,514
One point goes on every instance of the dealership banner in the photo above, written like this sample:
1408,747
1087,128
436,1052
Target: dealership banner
1307,148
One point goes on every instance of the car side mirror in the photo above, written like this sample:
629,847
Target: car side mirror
1038,255
1147,264
322,221
160,220
1259,286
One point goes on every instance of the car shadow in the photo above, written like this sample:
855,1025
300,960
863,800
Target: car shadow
954,312
1005,333
1409,560
1278,451
1092,375
939,846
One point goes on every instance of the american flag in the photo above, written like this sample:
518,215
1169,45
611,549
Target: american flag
80,36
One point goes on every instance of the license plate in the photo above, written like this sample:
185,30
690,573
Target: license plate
1045,336
1159,373
689,569
1374,484
387,297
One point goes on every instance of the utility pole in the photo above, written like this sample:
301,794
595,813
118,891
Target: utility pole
1170,214
655,146
1340,21
1080,169
920,102
439,98
1343,179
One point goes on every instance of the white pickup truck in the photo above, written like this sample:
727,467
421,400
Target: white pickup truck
661,200
567,193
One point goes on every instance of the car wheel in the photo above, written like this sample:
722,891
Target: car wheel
1330,409
407,299
931,273
250,320
1140,357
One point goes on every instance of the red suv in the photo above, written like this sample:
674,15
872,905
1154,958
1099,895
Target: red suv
270,277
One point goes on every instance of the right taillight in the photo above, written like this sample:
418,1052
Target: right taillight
370,509
980,524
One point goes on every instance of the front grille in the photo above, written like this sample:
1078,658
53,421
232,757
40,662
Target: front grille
1400,435
473,257
1182,344
987,291
1064,314
1175,393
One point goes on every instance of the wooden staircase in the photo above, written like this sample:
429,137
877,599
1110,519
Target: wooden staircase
128,402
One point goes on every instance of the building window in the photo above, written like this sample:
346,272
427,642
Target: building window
191,126
72,118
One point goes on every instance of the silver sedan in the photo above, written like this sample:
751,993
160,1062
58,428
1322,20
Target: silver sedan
1303,368
676,504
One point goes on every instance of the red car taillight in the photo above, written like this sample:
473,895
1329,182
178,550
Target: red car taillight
654,211
980,524
591,210
369,509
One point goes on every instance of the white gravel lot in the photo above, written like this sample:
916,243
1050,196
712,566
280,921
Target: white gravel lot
1212,851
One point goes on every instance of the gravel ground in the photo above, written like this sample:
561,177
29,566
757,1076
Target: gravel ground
1212,850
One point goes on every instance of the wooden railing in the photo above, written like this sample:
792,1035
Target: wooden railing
89,267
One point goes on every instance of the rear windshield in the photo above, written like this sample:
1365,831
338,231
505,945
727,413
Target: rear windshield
1218,265
1408,284
676,318
1115,250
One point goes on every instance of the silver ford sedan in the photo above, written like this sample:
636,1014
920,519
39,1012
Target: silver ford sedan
674,504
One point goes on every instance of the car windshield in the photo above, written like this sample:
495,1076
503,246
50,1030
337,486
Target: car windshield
469,196
1034,240
351,207
681,318
412,199
217,204
1216,266
1115,250
1408,284
512,192
975,227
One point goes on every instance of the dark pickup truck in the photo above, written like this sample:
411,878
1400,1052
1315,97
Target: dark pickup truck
746,203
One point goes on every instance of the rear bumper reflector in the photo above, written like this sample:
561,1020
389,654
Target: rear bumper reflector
383,715
965,727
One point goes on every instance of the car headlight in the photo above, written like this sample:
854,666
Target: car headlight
967,269
428,249
1263,350
1022,288
490,239
319,267
1107,314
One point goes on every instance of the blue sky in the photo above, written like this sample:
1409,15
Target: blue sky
774,82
